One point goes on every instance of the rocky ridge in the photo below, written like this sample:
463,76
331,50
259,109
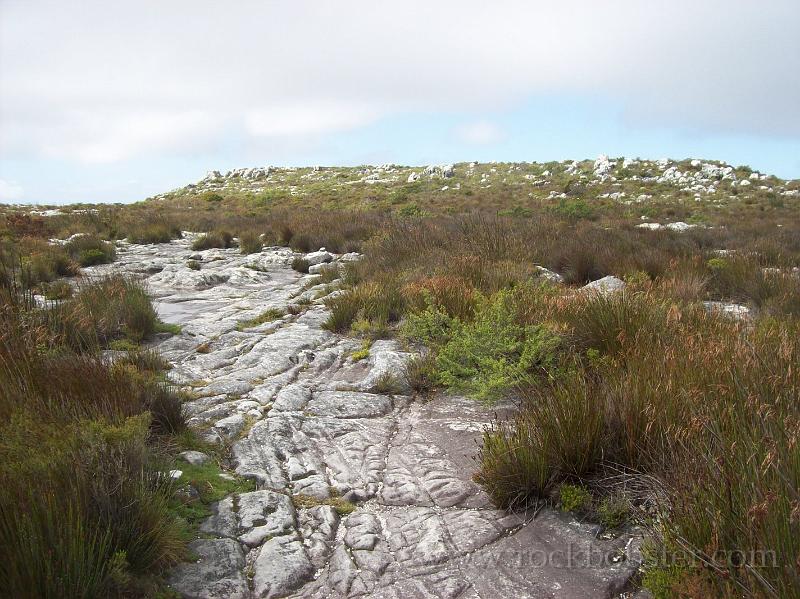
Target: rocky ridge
625,180
315,428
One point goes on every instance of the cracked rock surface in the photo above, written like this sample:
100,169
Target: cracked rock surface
303,418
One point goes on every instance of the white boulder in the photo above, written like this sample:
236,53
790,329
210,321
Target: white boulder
606,285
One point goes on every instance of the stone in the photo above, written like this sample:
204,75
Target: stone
216,574
318,257
606,285
195,458
282,565
734,311
549,275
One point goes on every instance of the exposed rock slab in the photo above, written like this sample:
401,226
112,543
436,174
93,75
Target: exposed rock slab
305,421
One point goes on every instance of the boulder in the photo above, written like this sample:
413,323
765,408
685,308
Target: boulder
606,285
319,257
194,458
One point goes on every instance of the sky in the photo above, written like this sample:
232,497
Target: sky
112,101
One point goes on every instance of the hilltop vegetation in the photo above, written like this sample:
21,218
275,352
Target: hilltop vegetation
673,402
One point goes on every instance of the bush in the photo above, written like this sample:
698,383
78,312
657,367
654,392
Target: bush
57,290
249,243
300,265
90,250
103,311
493,354
216,239
378,303
193,265
574,498
153,233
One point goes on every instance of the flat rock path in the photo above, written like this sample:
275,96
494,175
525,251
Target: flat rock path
302,418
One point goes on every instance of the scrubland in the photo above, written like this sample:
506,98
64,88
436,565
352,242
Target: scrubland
639,407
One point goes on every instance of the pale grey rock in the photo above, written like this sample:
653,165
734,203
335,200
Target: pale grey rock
549,275
281,566
216,574
606,285
195,458
318,257
734,311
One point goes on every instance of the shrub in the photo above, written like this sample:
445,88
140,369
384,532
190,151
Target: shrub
102,311
57,290
574,498
153,233
493,353
193,265
90,250
300,265
421,373
216,239
249,243
376,302
613,511
513,469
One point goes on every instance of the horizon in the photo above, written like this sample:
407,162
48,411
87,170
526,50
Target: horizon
110,104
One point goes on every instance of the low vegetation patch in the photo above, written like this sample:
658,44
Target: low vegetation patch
215,239
267,316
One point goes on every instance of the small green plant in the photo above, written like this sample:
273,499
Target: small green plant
168,327
267,316
362,353
387,384
574,498
193,265
613,511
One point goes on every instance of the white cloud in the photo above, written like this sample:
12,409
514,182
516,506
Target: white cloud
107,81
10,191
307,119
480,133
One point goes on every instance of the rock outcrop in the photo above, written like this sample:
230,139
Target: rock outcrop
362,490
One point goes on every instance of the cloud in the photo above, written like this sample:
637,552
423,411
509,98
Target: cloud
108,81
480,133
10,191
315,118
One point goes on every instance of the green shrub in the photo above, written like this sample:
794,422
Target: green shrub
91,258
193,265
90,250
493,354
362,353
574,498
613,511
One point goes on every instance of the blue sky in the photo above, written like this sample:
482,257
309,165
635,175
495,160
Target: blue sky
113,102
